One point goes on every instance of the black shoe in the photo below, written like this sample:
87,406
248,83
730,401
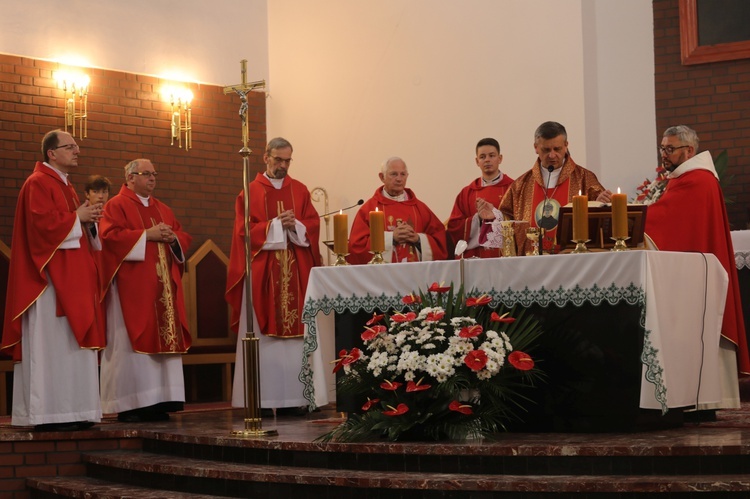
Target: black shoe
72,426
292,411
266,413
140,416
700,416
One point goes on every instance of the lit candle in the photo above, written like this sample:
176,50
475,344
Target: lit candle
377,231
619,215
580,217
340,233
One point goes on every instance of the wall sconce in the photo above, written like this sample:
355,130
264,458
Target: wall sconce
76,89
180,100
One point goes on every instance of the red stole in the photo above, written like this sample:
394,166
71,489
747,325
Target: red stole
395,215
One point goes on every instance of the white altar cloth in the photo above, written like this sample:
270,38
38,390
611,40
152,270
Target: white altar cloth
681,296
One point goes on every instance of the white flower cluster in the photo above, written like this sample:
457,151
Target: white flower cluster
432,346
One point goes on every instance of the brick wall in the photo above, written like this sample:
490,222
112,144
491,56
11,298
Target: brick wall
712,98
126,120
20,459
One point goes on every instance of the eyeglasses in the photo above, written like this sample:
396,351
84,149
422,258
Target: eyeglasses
146,174
69,147
277,160
670,149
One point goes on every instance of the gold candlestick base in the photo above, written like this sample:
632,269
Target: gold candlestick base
620,244
341,259
377,257
581,246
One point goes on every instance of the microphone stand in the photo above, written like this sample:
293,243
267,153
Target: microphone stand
550,169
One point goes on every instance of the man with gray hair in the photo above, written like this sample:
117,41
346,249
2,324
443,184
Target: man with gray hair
691,216
413,233
143,256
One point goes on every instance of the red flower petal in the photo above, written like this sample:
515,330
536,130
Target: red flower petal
476,301
521,360
346,358
370,402
502,318
416,387
399,317
390,385
476,360
471,331
434,316
375,319
459,407
411,298
438,288
396,411
371,332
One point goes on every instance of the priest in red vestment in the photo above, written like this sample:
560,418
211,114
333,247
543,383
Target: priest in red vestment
537,195
691,216
284,245
486,192
143,256
53,325
412,231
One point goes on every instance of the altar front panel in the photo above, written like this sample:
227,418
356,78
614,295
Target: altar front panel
677,299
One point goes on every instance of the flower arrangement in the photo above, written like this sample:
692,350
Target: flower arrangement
651,190
448,366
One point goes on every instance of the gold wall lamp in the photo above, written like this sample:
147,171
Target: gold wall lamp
75,85
180,100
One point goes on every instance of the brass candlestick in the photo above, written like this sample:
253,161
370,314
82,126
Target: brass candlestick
377,257
341,259
620,244
581,246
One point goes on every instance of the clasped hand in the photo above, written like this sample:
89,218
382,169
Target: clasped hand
161,233
287,219
404,233
90,212
485,210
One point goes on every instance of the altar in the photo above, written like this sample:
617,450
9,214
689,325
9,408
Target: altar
623,331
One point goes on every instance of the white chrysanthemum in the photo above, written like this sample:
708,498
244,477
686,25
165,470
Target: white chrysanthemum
428,346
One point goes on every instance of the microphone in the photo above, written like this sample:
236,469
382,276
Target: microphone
360,202
550,169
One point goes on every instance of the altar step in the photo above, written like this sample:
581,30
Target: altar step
252,469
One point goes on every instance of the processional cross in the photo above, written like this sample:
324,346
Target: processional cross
251,356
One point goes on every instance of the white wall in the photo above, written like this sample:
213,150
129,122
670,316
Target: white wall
353,82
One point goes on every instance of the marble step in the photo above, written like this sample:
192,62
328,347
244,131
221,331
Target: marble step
83,487
235,479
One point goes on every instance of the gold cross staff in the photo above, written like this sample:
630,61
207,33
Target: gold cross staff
242,89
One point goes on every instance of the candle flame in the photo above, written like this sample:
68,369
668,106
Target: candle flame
579,192
376,208
618,190
341,211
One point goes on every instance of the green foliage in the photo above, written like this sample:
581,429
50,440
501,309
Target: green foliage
721,163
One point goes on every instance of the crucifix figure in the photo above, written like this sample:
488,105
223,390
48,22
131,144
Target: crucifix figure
242,89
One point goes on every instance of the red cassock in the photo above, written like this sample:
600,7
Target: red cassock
411,211
691,216
45,215
151,296
464,209
279,277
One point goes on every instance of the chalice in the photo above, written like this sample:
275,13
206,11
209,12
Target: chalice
532,234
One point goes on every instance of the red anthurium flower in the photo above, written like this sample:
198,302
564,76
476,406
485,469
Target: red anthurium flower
476,360
434,316
521,360
371,332
370,402
417,387
471,331
502,318
476,301
346,358
411,298
439,288
407,317
396,411
390,385
459,407
375,319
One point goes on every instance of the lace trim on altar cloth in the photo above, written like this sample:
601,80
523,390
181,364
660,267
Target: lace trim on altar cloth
742,260
578,296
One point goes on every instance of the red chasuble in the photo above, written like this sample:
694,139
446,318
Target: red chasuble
691,216
45,215
411,211
279,279
464,209
150,291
